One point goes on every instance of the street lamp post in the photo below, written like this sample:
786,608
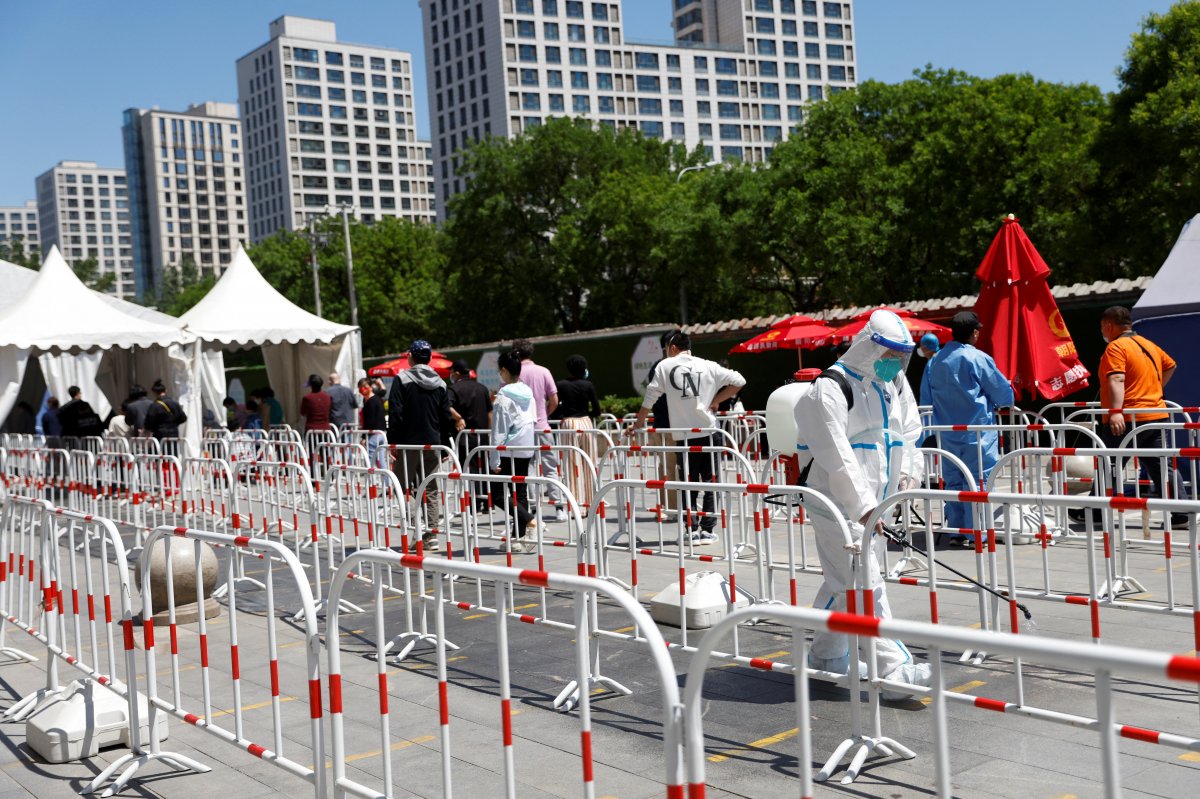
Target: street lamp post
313,240
346,208
683,304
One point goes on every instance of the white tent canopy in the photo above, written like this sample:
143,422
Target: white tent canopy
244,310
84,338
1169,313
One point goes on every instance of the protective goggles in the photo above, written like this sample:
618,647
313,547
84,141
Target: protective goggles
892,344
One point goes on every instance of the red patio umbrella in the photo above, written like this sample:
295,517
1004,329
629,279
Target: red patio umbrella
1022,326
795,332
918,327
440,363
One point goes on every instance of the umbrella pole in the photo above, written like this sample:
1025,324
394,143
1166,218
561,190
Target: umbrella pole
799,357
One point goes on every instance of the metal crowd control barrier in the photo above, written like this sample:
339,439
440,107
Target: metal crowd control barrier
1102,661
327,454
576,468
281,494
412,465
21,520
1063,409
745,510
284,681
418,631
157,494
1093,598
645,463
208,493
503,582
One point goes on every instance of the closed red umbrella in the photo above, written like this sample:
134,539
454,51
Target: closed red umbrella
440,363
918,327
1023,329
793,333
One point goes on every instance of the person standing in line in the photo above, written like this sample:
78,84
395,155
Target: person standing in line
77,417
418,413
545,398
860,429
343,408
471,403
165,415
374,421
694,387
135,410
965,386
667,504
117,426
51,426
314,406
1133,373
272,408
514,422
577,404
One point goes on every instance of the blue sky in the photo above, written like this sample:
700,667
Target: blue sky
71,67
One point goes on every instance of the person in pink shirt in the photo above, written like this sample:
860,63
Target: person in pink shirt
545,397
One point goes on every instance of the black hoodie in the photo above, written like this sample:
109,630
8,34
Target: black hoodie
418,408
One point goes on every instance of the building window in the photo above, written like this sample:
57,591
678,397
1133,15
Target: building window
557,104
580,104
528,53
652,129
303,54
550,31
333,58
837,73
578,56
726,66
649,108
815,93
575,9
649,84
530,101
833,10
835,52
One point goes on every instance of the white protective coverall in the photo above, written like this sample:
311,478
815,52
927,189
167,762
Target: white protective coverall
859,457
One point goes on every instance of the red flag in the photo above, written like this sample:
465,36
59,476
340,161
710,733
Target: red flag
1022,326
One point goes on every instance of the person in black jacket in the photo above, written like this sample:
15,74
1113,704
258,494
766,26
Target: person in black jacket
419,413
165,415
77,417
374,422
471,404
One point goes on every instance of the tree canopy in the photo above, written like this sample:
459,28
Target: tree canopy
884,193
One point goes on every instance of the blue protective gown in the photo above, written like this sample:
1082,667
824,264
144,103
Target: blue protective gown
965,386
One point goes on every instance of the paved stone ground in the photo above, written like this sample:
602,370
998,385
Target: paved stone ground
750,719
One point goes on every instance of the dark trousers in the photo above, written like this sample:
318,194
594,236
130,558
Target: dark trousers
477,466
1145,439
702,468
502,493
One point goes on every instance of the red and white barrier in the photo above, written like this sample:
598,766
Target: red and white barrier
345,693
1102,661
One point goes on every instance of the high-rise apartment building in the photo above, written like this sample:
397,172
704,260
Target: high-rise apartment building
20,222
186,189
735,81
83,209
329,123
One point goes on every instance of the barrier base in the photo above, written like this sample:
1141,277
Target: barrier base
908,563
1121,585
28,704
866,745
139,759
568,698
344,606
413,638
223,588
10,654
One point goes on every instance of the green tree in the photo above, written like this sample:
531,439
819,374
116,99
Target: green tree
182,286
13,250
88,272
399,277
556,228
893,191
1149,148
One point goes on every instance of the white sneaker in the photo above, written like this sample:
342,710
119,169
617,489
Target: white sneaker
560,515
912,673
838,665
700,538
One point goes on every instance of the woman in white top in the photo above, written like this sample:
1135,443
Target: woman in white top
514,423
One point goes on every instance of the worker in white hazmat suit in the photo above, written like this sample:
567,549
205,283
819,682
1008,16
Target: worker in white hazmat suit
860,455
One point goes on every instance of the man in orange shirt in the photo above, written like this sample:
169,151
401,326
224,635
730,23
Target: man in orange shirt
1133,372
